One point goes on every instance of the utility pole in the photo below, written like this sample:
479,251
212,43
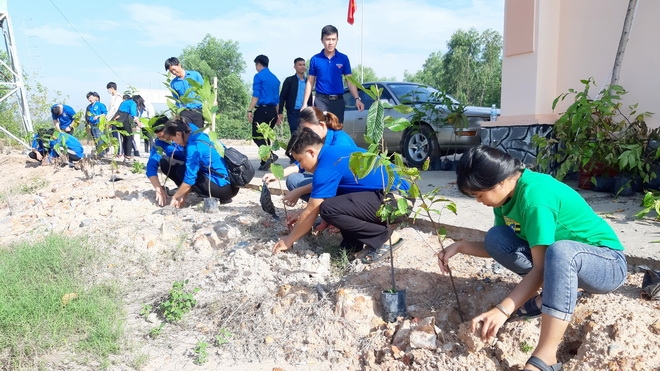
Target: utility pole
14,83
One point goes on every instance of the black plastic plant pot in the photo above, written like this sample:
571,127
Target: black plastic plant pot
211,205
394,305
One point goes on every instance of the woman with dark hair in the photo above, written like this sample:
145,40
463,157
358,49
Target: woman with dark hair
203,168
327,126
545,232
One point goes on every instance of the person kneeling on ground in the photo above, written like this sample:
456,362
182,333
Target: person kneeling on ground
203,169
545,232
160,155
56,145
342,201
39,151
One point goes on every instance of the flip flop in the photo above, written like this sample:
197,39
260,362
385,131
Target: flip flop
538,363
375,255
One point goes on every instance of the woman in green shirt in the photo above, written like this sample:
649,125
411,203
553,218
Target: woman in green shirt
545,232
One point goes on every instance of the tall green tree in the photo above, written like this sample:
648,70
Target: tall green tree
369,74
214,57
470,70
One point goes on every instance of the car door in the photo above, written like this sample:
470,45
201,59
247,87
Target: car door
355,122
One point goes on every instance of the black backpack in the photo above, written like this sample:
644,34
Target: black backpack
239,167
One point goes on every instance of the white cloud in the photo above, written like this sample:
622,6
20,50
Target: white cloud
59,36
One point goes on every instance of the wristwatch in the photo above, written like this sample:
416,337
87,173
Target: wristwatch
249,111
358,98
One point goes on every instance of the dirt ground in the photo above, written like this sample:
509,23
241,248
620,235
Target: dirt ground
299,310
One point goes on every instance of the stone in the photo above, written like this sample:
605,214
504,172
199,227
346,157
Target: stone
86,222
423,340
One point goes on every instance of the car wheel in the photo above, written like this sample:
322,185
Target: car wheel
418,144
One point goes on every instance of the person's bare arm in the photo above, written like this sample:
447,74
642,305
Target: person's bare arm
309,85
303,225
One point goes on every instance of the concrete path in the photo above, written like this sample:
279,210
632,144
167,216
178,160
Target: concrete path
641,238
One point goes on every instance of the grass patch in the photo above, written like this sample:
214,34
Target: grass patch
47,302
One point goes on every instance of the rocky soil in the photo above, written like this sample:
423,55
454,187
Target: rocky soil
299,310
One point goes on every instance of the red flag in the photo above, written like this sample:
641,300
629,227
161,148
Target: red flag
351,12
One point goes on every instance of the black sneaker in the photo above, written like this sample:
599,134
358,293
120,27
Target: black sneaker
273,157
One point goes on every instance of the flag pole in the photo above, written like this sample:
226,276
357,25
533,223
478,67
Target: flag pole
362,45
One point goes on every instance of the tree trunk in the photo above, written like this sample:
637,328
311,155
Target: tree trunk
627,24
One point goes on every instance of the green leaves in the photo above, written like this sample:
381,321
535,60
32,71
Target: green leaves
178,302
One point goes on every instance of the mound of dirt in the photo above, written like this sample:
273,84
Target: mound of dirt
306,309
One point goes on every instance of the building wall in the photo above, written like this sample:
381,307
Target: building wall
574,40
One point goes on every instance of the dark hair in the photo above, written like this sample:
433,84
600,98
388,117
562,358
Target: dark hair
96,95
329,30
45,133
315,116
89,95
482,167
262,60
304,137
56,110
177,125
171,61
139,101
111,85
159,124
298,60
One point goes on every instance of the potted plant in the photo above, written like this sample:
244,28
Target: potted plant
595,137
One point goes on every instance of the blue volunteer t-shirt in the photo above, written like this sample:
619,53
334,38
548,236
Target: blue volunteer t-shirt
329,72
158,150
96,109
65,140
66,118
333,176
128,106
334,138
181,85
266,87
198,148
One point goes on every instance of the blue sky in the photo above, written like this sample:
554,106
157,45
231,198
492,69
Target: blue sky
130,40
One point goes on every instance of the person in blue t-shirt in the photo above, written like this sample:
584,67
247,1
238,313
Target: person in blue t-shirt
204,169
182,90
127,114
343,201
327,126
62,115
48,144
326,74
39,151
264,104
95,110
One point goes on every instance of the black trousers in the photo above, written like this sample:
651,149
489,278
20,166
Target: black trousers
355,216
33,155
193,115
335,106
176,170
267,114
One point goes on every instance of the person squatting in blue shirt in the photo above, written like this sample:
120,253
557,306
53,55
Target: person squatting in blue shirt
341,200
202,171
182,90
47,144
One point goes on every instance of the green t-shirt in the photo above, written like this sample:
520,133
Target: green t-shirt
544,210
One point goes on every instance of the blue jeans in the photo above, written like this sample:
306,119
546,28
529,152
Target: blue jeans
298,180
96,134
569,265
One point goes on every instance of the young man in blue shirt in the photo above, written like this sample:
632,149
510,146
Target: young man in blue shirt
291,98
62,117
343,201
93,114
128,116
264,104
326,74
180,85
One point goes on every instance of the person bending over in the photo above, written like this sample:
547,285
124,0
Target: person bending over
203,168
342,201
546,233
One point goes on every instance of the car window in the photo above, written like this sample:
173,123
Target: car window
414,93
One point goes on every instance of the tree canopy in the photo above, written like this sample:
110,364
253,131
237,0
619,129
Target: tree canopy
214,57
470,70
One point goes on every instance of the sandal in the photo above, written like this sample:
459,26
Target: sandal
538,363
530,308
375,255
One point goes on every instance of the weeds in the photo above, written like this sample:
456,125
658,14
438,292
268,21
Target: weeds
138,167
28,188
201,353
154,332
146,309
179,302
223,337
525,347
35,278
